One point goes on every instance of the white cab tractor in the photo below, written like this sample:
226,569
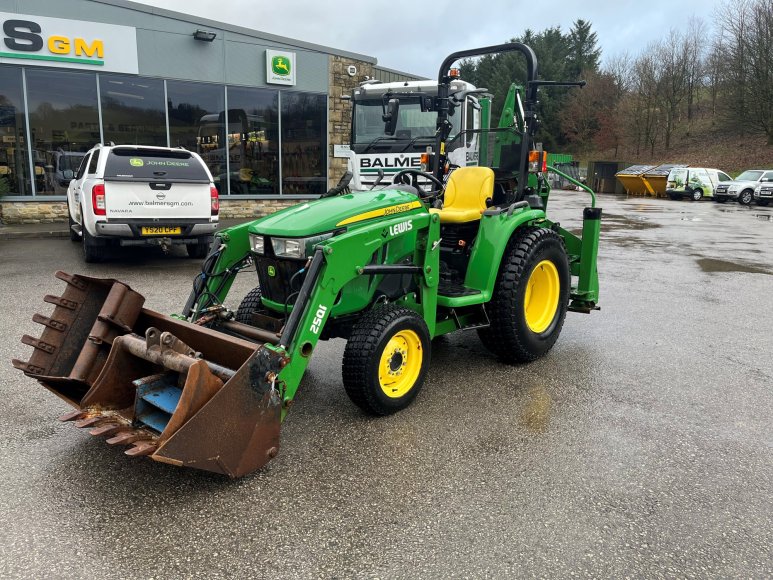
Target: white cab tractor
394,123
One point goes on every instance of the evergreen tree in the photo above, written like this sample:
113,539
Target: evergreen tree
584,54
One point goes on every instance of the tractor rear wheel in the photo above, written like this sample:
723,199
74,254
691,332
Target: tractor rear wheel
249,305
531,297
386,359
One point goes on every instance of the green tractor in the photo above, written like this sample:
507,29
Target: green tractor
388,269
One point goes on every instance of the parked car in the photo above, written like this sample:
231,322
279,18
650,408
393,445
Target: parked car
131,195
742,187
763,193
694,182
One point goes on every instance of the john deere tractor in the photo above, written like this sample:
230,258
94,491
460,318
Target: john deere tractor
439,250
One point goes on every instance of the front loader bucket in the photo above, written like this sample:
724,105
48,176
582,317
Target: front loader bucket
177,392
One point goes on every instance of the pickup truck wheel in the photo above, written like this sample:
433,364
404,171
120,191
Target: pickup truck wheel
530,298
249,305
93,250
198,250
745,197
386,359
71,222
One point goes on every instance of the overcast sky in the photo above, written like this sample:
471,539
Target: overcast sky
415,36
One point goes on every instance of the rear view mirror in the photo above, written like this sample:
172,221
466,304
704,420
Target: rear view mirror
390,117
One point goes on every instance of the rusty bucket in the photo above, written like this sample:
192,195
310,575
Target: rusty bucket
174,391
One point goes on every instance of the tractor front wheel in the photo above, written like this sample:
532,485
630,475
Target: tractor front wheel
531,297
249,305
386,359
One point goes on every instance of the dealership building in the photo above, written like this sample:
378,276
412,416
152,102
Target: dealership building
265,112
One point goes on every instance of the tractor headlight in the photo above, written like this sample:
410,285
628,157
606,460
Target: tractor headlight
257,244
288,247
297,247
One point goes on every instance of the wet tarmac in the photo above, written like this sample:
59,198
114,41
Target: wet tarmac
639,447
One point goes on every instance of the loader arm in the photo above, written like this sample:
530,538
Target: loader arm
336,263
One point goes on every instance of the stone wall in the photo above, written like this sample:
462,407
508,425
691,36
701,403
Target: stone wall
31,212
339,110
22,212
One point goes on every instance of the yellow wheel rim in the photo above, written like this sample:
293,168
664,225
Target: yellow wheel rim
541,301
400,364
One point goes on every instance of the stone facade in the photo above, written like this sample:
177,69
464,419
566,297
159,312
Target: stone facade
22,212
340,110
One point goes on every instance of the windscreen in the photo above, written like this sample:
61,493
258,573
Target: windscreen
749,176
412,122
153,164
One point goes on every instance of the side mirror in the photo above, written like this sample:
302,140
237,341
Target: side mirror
390,117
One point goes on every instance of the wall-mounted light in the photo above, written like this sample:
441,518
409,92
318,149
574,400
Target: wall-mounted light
204,35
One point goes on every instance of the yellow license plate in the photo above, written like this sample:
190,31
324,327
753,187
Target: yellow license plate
161,231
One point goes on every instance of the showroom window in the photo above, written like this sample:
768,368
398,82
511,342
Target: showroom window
304,143
197,122
64,124
14,158
253,141
132,110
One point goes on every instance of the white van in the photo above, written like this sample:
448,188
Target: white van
694,182
131,195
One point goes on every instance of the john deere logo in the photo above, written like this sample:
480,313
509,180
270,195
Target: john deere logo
271,271
280,65
134,162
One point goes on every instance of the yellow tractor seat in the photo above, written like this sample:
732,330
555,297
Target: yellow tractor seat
467,190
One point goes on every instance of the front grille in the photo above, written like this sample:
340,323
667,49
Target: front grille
276,287
722,189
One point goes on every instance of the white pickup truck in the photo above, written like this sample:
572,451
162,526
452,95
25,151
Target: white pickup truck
131,195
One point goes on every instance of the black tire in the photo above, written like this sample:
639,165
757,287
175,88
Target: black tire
249,304
745,197
674,196
71,222
720,199
763,202
94,250
370,337
510,337
199,250
696,195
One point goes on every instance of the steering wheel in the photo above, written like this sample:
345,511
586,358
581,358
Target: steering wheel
411,177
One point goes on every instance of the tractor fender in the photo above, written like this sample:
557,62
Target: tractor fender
495,233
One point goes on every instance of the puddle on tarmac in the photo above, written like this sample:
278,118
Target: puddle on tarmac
711,265
611,221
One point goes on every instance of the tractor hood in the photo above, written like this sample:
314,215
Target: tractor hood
327,214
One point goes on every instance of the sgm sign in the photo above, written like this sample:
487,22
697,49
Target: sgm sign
37,40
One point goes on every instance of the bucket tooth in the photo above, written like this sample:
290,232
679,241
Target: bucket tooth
128,437
141,448
38,344
60,301
27,367
88,421
73,415
71,279
109,429
49,322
